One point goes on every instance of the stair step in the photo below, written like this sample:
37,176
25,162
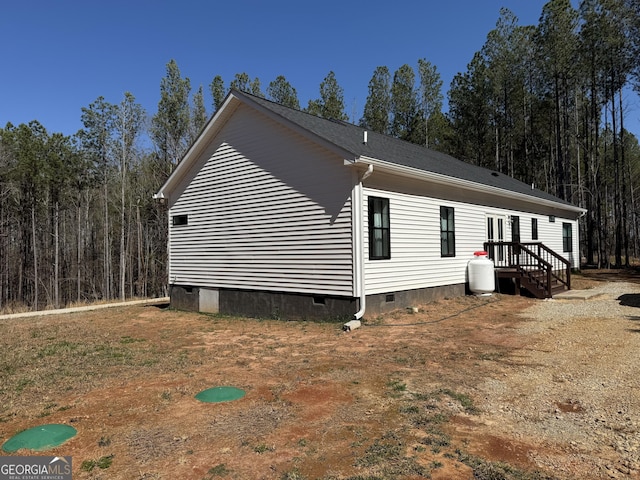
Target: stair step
527,263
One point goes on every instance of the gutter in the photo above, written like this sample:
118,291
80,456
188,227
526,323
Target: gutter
359,230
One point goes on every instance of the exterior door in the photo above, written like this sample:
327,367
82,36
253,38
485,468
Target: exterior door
495,233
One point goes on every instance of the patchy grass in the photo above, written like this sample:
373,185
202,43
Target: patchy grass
293,475
464,400
102,463
486,470
219,470
387,454
262,448
320,403
59,357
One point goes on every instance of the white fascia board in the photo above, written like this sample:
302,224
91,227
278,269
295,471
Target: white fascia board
416,173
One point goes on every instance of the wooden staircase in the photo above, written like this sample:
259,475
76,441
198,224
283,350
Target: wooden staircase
532,266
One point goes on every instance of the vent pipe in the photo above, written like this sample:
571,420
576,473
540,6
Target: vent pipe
364,140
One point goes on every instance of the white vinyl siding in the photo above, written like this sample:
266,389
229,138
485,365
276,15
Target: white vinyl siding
415,241
550,233
267,211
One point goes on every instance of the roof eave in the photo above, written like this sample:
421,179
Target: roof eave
201,142
439,178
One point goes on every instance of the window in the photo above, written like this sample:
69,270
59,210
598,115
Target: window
178,220
495,233
515,228
567,237
534,229
447,232
379,229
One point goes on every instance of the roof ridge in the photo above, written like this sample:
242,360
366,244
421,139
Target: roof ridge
260,99
396,151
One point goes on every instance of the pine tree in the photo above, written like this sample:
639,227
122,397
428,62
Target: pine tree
198,115
404,105
218,92
430,93
63,168
128,127
281,91
31,176
96,140
558,42
503,74
331,102
243,83
170,126
470,113
378,105
634,36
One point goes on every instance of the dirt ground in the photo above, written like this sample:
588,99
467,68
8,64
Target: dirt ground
473,387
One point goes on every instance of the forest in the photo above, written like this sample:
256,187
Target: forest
544,103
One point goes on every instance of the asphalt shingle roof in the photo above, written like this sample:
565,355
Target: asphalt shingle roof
349,137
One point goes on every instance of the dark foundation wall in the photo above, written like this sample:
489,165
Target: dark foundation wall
288,306
259,304
387,302
184,298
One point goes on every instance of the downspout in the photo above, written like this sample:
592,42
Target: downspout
360,245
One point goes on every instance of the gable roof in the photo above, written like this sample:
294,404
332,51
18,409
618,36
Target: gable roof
381,150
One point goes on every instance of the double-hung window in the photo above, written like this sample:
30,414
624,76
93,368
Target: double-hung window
379,229
447,232
567,237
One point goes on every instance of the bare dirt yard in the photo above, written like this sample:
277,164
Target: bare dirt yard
475,387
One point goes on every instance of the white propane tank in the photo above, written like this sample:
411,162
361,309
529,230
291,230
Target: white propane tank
482,280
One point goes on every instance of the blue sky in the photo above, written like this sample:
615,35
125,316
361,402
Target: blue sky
59,56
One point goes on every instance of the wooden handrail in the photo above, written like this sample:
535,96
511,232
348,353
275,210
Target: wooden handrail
561,259
527,257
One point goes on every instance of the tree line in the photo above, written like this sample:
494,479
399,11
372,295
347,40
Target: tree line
544,103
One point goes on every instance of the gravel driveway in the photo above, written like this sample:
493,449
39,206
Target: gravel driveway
572,392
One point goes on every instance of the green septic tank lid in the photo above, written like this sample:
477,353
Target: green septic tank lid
220,394
40,438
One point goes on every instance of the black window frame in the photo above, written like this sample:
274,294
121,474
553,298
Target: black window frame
179,220
447,232
379,231
534,229
515,228
567,239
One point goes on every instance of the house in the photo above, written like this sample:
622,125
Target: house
277,213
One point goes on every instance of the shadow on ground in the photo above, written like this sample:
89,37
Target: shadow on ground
629,274
630,299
